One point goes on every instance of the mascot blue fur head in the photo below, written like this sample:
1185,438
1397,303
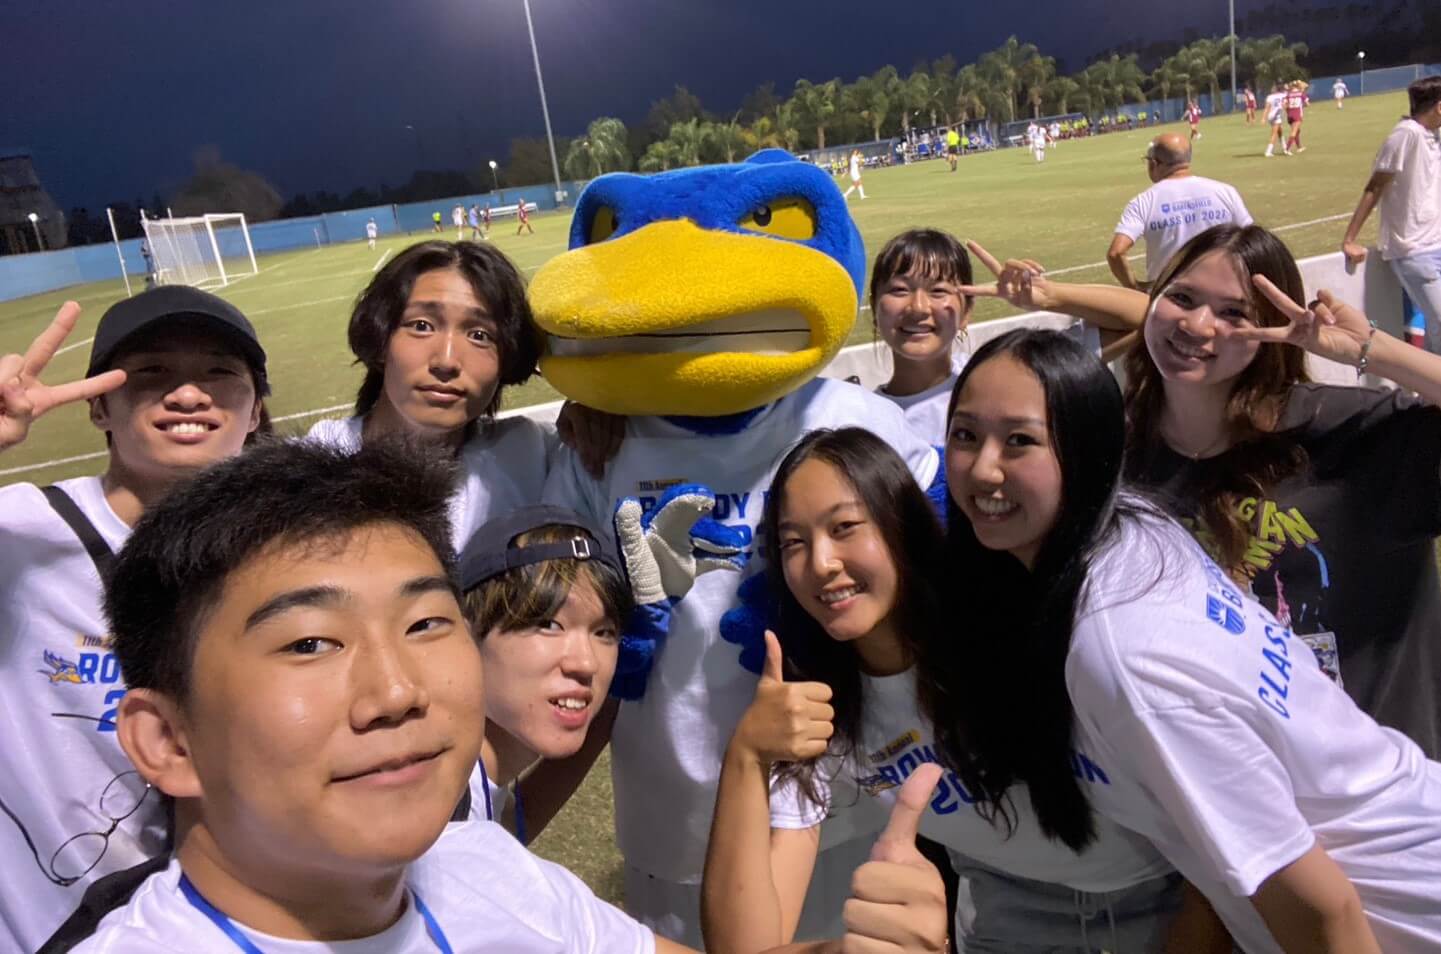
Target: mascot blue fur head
702,292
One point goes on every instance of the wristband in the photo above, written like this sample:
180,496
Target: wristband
1365,351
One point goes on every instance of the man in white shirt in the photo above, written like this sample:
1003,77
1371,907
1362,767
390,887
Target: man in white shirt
305,688
176,381
1406,183
1178,207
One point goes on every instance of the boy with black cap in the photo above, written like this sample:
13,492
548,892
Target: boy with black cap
176,381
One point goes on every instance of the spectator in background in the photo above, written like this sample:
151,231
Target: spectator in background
1406,183
1179,206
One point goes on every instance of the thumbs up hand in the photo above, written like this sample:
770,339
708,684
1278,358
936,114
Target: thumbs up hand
787,721
898,901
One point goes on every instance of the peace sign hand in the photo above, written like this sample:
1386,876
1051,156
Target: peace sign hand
1020,281
23,397
1330,328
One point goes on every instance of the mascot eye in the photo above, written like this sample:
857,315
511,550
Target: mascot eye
603,224
790,218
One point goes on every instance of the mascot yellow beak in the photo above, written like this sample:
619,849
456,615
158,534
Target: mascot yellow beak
676,319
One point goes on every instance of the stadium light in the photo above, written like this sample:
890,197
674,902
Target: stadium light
35,224
1361,56
1232,6
494,176
544,109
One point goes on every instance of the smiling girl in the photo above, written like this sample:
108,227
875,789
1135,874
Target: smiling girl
1207,726
855,556
441,330
920,314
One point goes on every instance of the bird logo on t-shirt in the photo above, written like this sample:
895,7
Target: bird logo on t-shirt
61,669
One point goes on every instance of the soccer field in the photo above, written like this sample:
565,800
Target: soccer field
1061,212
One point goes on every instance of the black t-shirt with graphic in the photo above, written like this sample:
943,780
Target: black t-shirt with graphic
1343,550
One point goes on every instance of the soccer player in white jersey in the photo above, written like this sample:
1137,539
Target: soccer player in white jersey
457,218
855,166
1340,92
307,692
176,381
1212,729
1276,119
371,231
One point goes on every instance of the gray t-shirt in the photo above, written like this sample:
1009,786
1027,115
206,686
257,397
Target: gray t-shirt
1343,551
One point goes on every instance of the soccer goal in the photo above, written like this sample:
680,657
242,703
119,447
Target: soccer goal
207,251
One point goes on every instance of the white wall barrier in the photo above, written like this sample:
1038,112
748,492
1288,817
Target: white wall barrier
1373,287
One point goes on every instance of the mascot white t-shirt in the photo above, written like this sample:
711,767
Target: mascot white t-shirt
667,747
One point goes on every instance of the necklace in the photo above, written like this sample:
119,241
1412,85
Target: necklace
1218,444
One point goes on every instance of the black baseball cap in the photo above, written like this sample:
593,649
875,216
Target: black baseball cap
124,319
492,550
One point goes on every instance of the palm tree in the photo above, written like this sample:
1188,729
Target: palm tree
872,97
1204,60
689,140
973,96
1003,68
660,156
727,138
817,105
1035,74
914,93
1059,92
1270,60
1167,79
1114,81
942,87
787,124
602,149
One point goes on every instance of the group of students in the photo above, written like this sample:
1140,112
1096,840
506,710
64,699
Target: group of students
1174,653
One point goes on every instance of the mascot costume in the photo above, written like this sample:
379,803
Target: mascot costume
702,304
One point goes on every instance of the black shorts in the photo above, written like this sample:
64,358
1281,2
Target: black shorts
953,150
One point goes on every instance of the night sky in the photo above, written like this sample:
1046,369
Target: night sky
114,98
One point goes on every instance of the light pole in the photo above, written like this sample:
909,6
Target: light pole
544,109
494,176
1361,57
1232,8
35,224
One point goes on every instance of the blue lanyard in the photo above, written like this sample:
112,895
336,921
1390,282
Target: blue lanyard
490,809
197,900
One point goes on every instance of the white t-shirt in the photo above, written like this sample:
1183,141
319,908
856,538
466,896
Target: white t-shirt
1275,108
855,167
486,893
61,689
1411,204
371,229
666,749
1233,753
502,467
895,739
484,792
457,215
1173,211
1338,89
926,411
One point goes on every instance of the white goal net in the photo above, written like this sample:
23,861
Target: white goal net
206,251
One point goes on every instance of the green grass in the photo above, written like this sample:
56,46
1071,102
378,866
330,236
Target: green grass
1061,212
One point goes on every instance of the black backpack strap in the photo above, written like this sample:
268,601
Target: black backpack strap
106,894
90,538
